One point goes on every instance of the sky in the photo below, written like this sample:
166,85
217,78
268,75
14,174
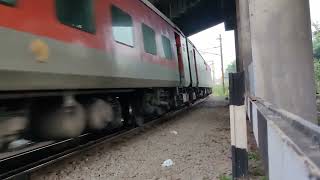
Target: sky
208,44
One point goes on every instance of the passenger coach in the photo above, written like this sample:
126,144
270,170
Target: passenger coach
74,66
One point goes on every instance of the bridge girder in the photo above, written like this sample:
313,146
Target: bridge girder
193,16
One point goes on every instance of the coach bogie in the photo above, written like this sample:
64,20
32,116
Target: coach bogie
99,114
155,102
57,118
12,127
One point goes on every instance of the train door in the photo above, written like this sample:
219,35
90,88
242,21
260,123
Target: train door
196,66
192,65
185,79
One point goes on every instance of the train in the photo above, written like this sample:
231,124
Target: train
76,66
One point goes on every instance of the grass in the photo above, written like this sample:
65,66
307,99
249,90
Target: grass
253,156
224,177
255,165
218,91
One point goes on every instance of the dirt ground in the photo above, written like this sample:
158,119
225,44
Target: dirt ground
197,141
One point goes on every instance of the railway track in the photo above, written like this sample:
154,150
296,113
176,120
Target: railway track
22,164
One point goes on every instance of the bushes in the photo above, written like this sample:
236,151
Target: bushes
218,90
317,74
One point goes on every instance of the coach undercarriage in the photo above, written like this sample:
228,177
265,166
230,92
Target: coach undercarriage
68,115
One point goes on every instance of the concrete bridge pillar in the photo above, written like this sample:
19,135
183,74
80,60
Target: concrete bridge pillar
275,47
244,51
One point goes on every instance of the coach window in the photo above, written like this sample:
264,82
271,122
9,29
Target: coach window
122,26
77,14
9,2
166,47
149,39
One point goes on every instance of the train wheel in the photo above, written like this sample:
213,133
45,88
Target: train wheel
12,128
100,114
139,121
4,146
59,120
159,111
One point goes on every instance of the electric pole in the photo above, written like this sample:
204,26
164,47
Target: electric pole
222,69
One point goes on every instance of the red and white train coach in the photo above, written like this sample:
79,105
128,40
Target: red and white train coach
69,66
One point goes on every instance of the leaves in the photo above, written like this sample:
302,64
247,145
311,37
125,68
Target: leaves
317,73
316,53
231,68
316,45
316,40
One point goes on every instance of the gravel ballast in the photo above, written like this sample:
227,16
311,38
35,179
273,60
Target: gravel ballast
197,142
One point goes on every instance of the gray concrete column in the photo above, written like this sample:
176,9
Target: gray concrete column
244,32
282,55
244,51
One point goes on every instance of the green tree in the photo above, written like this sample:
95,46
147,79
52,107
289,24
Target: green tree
316,40
316,53
316,26
316,46
231,68
317,74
